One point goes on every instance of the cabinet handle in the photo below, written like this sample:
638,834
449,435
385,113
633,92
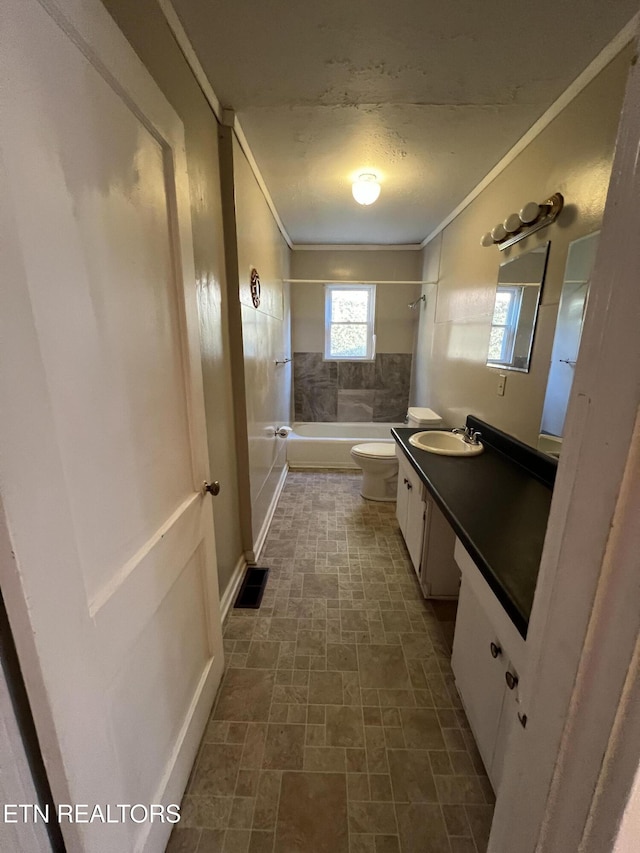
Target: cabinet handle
405,481
496,651
409,486
511,679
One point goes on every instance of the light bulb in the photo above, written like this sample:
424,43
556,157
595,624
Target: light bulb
530,212
512,223
498,233
487,240
366,188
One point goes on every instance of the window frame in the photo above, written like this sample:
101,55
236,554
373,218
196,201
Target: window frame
510,327
329,290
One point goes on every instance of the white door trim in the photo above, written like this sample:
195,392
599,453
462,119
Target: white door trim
585,622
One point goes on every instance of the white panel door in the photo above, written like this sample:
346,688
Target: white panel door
112,591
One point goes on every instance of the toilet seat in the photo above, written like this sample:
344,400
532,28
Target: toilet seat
375,450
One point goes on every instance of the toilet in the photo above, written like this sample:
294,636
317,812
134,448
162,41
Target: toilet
379,462
379,469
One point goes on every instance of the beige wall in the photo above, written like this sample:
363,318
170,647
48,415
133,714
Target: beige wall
572,155
395,323
265,335
145,27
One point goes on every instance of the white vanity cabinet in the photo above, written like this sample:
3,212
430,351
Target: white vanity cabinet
411,509
428,535
488,654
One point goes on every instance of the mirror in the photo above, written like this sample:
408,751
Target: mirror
566,342
515,310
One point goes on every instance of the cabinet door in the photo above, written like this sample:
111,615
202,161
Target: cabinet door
402,500
440,575
410,510
479,676
414,533
508,716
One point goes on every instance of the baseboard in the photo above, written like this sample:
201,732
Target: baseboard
228,596
322,466
258,545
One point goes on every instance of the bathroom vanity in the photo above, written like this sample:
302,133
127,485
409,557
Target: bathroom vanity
482,519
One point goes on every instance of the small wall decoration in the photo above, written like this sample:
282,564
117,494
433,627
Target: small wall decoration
255,287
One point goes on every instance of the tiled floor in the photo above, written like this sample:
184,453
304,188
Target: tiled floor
337,728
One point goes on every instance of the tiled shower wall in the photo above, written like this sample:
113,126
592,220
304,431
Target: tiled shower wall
351,390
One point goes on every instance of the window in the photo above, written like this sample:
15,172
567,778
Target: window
349,312
504,324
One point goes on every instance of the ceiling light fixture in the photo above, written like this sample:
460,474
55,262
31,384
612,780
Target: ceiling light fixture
366,188
517,226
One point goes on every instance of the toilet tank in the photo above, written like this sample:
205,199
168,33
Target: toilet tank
418,416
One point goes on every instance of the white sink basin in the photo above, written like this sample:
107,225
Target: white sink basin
444,443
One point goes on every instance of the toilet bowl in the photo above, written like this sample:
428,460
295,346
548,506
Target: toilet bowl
379,470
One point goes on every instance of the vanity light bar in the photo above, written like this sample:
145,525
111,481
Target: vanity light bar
517,226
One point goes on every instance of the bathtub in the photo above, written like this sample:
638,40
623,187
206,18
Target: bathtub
327,445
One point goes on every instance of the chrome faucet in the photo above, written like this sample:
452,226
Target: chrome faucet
469,435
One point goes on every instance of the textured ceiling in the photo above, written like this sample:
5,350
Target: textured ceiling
428,95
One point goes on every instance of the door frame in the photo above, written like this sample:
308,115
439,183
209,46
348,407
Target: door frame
569,772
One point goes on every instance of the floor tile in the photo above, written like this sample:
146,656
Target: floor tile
421,828
184,840
480,821
462,790
341,657
344,726
261,842
421,728
324,758
338,708
455,819
306,802
320,586
263,654
372,817
284,749
212,841
411,776
206,812
387,844
462,845
325,688
235,841
360,843
382,666
245,695
217,770
266,808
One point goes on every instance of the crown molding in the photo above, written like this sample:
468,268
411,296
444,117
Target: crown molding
357,247
224,116
609,52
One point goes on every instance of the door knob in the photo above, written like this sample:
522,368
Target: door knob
212,488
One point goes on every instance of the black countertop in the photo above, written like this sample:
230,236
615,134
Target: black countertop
498,509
